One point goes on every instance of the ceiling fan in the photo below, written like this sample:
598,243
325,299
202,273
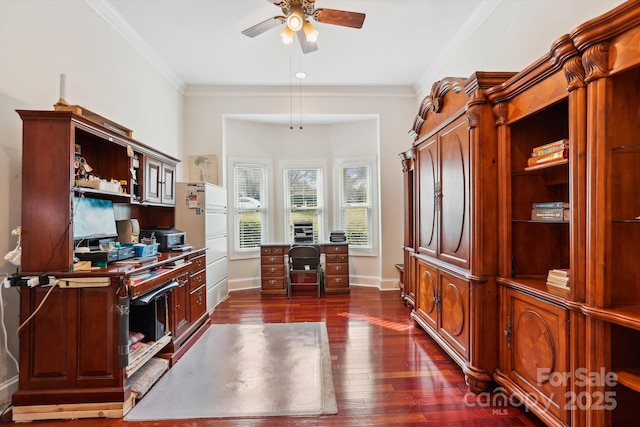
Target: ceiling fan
296,15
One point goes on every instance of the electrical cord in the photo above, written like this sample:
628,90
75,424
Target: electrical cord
53,286
4,411
4,330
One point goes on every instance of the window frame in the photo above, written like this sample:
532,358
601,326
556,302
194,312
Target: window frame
264,209
322,217
340,165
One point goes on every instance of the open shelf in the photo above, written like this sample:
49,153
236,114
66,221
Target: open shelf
629,378
623,315
153,349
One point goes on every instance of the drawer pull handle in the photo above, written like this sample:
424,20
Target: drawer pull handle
338,280
338,268
272,282
272,270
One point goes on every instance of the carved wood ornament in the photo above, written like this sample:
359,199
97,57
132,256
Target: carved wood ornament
434,101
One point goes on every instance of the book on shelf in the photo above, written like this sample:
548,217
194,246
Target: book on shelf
550,147
548,158
558,277
550,205
550,214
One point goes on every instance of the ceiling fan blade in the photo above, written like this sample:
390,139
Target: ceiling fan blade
339,17
307,47
263,26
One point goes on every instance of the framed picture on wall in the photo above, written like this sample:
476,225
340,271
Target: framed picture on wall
204,168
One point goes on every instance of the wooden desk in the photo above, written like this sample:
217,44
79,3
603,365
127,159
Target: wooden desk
73,360
274,271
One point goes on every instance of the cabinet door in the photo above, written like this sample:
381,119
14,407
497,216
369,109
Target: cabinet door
537,353
428,193
70,344
178,304
152,187
454,194
198,303
168,184
454,313
427,297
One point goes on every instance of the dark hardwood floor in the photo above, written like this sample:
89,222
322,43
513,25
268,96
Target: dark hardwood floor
386,370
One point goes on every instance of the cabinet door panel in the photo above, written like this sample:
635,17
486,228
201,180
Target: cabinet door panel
454,323
168,184
454,241
153,170
427,198
427,294
178,301
198,303
539,349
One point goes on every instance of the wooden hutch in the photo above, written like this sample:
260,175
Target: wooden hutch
74,359
451,234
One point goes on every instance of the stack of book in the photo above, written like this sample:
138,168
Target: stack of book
559,278
550,211
547,154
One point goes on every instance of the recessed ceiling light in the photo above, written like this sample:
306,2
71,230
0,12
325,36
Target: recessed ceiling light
301,75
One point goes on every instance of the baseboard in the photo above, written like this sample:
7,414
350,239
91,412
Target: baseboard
365,281
7,388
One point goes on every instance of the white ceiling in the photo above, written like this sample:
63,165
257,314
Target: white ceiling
402,43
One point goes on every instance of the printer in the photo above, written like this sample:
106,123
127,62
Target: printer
168,237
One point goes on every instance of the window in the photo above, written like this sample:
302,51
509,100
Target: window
250,182
356,205
303,200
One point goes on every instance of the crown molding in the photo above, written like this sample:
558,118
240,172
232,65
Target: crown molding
196,91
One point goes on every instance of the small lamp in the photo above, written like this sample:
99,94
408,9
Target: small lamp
310,32
287,35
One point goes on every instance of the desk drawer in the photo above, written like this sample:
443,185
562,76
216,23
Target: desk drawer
336,282
198,279
340,258
273,283
336,249
273,270
198,263
272,250
272,259
336,269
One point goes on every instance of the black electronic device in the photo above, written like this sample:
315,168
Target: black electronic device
167,237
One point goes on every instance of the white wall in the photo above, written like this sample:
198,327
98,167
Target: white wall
39,41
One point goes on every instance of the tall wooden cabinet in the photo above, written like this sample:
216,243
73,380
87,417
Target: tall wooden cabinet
559,347
452,224
74,359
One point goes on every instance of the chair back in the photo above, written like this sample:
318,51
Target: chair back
303,256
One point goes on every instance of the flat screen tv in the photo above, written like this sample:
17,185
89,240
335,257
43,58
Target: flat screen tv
93,219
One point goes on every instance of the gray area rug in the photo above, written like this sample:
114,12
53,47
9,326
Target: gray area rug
275,369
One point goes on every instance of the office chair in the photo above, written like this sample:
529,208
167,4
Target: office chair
305,268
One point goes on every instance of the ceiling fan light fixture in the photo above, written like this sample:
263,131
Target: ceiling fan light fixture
310,32
295,20
287,35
